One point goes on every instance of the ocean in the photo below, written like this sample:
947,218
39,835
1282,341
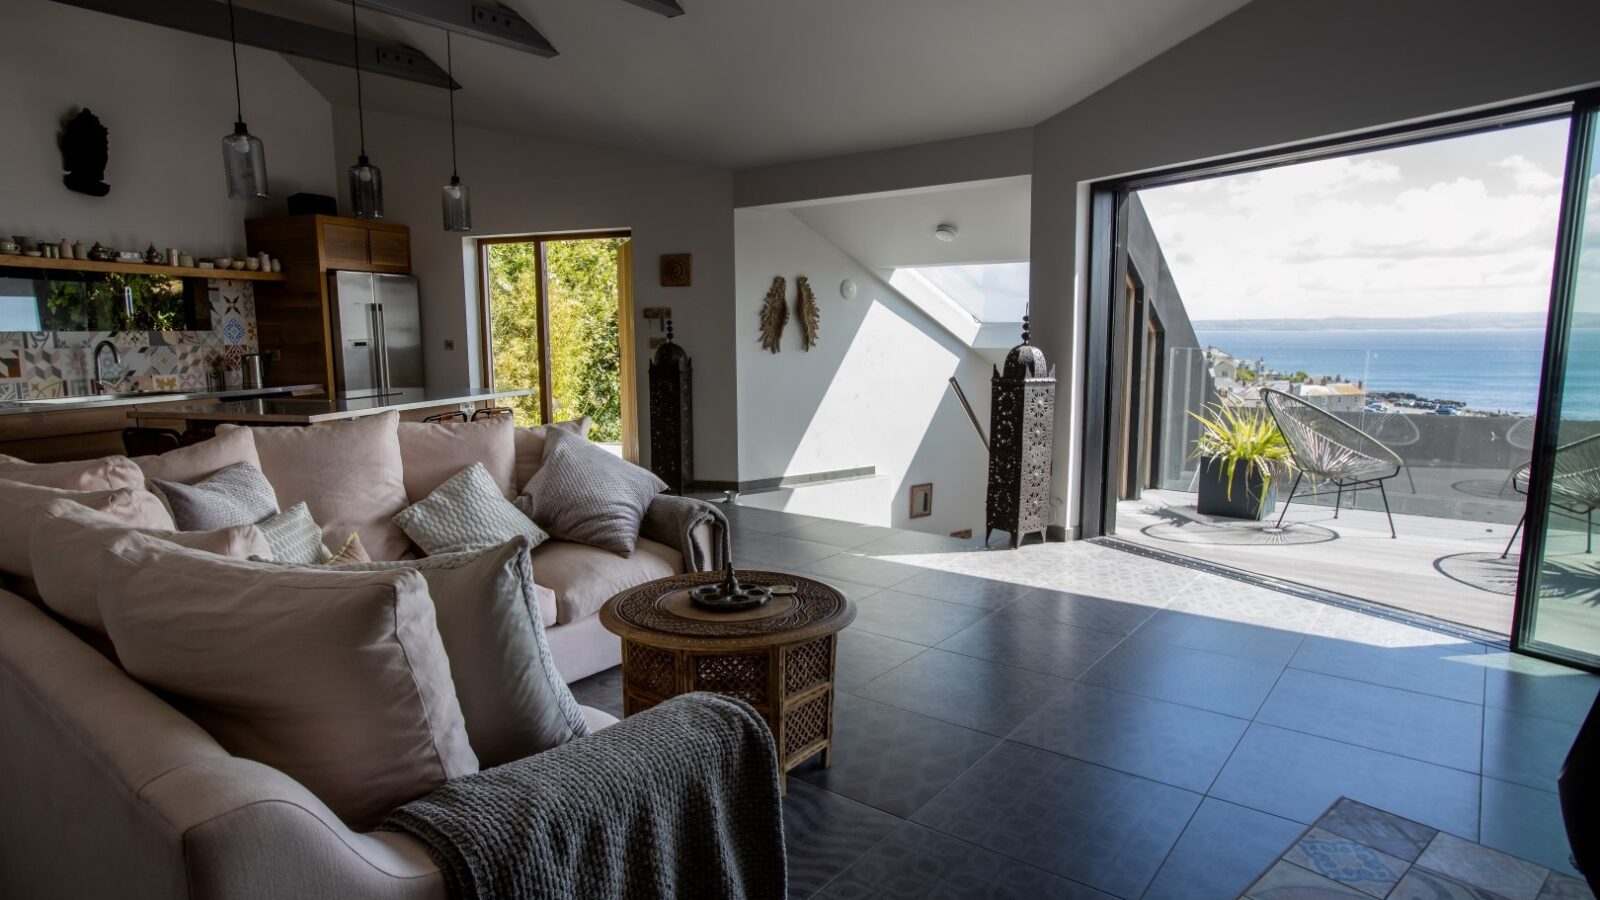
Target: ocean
1489,370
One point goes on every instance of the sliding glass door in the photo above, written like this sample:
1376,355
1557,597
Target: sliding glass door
1559,613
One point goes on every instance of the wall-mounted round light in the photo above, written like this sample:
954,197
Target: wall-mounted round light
946,233
847,289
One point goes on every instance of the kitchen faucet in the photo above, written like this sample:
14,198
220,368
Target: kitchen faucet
98,386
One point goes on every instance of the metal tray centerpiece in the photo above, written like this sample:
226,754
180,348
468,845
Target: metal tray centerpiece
730,594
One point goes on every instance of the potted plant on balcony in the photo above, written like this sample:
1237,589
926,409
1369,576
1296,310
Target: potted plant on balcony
1241,452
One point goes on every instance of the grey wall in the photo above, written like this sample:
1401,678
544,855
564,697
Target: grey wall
1275,73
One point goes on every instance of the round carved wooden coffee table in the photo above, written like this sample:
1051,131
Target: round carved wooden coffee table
778,657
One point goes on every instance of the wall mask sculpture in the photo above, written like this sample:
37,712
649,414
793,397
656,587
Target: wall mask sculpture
85,150
805,308
774,315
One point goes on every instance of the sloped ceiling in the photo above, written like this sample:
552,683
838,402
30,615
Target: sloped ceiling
892,230
743,83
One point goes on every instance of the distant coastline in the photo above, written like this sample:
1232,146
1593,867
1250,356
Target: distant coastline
1452,322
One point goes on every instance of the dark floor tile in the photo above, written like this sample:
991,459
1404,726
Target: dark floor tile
848,535
1287,881
916,863
1224,684
972,590
974,693
1526,823
851,566
1525,749
602,690
911,543
1083,610
1386,832
1420,884
1484,867
1532,687
756,549
1450,668
1297,776
863,656
851,590
824,833
907,617
1018,640
1432,729
1178,745
757,518
1194,630
1224,848
893,759
1102,828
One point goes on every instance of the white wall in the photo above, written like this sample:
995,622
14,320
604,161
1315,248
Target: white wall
873,391
523,185
1276,72
167,99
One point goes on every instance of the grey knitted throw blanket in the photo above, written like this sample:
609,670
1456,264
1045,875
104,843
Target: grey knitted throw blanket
679,801
671,520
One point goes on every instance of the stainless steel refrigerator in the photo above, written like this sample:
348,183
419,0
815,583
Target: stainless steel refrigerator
377,325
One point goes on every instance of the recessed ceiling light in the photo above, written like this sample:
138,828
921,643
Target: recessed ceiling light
946,233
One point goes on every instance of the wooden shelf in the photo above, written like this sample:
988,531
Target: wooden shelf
9,261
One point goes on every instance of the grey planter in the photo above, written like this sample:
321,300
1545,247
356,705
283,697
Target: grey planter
1247,489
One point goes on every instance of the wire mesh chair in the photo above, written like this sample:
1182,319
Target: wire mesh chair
1393,429
1327,448
1519,437
1574,486
492,412
447,418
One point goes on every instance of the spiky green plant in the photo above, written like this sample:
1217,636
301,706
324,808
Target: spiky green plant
1243,435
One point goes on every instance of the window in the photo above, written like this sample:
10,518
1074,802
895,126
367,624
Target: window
988,292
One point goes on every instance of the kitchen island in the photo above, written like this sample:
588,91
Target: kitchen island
417,402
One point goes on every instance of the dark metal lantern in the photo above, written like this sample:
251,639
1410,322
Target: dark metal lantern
671,415
1022,414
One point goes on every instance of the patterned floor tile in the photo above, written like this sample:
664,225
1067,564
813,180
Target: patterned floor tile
907,617
1348,862
1564,887
1017,640
1087,823
1135,735
824,833
1484,867
1287,881
1432,729
1223,849
1420,884
972,693
1401,838
893,759
1224,684
916,863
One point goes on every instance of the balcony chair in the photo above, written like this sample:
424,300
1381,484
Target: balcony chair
492,412
1393,430
1325,447
1574,487
446,417
1519,437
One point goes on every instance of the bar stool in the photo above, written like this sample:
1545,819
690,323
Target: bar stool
150,441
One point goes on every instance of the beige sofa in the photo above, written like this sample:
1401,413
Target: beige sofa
106,790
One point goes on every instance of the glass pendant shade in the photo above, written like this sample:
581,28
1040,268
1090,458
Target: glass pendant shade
245,159
457,206
366,189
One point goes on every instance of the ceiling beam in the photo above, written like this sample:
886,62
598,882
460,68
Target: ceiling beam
668,8
269,32
480,20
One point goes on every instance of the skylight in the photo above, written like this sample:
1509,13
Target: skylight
989,292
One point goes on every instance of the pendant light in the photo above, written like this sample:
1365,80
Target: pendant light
457,198
366,179
244,158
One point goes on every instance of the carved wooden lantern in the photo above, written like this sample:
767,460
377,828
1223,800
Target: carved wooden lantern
1022,415
671,416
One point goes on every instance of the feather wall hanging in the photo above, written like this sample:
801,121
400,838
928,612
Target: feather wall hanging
805,309
774,315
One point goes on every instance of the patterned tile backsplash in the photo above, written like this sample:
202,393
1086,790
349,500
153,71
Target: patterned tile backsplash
57,364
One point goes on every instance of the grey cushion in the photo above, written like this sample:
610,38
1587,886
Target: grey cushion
514,700
582,493
467,512
294,537
236,495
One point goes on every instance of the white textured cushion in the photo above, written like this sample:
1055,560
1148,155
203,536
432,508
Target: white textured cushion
108,473
236,495
294,537
19,505
530,446
597,718
67,540
338,679
432,452
513,698
582,493
467,512
349,473
584,578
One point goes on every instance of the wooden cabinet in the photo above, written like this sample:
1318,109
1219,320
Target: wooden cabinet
292,318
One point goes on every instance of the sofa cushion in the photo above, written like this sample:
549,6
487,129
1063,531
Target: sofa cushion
108,473
530,446
584,578
513,698
236,495
294,537
349,473
432,452
583,493
197,462
67,540
338,679
597,718
546,599
137,508
467,512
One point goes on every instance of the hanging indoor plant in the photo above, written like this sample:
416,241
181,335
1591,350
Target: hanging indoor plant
1241,452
